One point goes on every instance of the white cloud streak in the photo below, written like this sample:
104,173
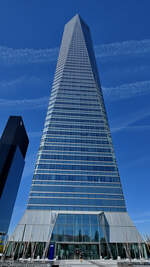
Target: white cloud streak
142,217
125,91
141,221
123,48
36,103
11,56
28,80
126,123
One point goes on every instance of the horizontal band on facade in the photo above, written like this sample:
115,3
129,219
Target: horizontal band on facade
78,119
76,108
64,98
71,138
107,157
82,186
78,94
74,193
73,145
75,103
73,181
60,197
69,105
75,161
74,124
67,89
77,179
46,152
66,171
93,147
77,100
105,152
74,115
100,146
93,175
100,207
73,157
74,112
72,142
44,193
75,167
72,153
48,131
60,171
79,136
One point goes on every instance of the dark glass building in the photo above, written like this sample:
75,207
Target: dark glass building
76,201
13,147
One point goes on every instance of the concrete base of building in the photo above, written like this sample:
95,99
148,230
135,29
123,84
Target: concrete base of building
37,226
36,232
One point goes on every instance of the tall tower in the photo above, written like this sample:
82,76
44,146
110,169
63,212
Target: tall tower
76,200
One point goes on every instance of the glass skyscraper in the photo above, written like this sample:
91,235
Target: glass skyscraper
13,147
76,167
76,201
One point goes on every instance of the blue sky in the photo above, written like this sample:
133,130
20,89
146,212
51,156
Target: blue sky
30,36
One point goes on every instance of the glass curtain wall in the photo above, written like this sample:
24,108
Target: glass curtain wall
76,171
76,168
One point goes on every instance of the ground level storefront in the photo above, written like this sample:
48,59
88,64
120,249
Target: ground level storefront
77,251
65,251
99,250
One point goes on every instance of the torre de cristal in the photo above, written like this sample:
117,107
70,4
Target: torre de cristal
76,201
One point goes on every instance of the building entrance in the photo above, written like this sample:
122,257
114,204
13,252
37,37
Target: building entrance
77,251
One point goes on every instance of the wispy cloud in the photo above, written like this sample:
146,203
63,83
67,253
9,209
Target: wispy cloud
123,48
30,80
25,103
11,56
126,123
141,218
142,221
134,128
125,91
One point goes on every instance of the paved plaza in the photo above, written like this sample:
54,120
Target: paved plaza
77,263
103,263
84,263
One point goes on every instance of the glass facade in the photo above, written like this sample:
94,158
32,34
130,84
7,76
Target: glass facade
76,203
8,197
13,146
73,229
76,168
77,228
